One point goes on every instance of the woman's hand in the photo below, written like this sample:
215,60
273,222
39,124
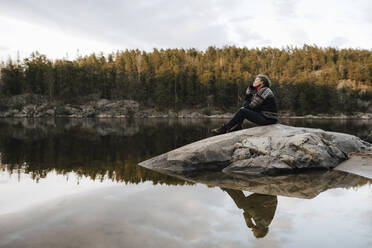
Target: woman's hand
250,90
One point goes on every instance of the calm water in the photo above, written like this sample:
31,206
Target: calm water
76,183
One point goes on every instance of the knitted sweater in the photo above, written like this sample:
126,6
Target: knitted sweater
262,100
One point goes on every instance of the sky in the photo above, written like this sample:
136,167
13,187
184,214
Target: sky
69,28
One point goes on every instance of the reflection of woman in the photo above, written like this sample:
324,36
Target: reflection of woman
259,210
259,107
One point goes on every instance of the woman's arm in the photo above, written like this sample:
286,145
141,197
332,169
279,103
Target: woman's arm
259,98
248,95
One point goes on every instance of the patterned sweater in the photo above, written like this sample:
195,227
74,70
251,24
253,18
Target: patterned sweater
262,100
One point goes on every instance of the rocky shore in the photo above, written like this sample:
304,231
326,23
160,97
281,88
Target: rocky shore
36,106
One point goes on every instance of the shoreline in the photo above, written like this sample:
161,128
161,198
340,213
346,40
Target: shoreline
36,106
193,115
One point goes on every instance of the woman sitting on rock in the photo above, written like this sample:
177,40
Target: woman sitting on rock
259,107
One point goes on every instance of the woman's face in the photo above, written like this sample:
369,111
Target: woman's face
257,82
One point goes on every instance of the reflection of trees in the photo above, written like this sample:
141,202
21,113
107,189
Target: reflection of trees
110,148
73,146
120,172
259,210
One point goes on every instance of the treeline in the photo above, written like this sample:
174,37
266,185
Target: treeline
306,80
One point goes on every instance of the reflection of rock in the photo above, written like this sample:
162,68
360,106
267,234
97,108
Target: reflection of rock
259,210
300,185
304,185
262,150
34,129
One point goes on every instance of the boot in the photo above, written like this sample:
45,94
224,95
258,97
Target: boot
237,127
220,130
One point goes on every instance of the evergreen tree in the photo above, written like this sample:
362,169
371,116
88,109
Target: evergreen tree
310,79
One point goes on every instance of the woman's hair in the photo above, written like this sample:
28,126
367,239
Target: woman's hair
265,79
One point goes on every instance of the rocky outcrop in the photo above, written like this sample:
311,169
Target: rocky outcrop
36,106
262,150
31,105
369,137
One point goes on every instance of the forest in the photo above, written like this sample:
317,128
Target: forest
306,80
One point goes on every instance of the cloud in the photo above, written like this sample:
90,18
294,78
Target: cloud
246,35
285,9
367,14
339,41
143,24
299,36
156,216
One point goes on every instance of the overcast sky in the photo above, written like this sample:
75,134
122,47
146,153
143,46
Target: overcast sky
57,28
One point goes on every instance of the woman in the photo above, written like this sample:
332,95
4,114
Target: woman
259,107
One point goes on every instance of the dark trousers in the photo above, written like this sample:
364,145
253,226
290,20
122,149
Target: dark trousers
251,115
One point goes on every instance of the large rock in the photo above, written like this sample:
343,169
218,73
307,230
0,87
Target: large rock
262,150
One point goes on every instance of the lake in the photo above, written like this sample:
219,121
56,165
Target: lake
76,183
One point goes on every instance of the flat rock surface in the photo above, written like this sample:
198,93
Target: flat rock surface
359,164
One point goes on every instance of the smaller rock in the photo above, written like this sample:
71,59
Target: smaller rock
101,103
358,164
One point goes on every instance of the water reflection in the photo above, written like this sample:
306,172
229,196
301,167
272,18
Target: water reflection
307,184
99,149
136,213
259,210
110,149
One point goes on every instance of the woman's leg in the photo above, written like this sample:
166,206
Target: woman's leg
245,113
238,118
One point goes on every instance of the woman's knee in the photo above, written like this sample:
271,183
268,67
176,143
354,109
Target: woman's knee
246,112
240,111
